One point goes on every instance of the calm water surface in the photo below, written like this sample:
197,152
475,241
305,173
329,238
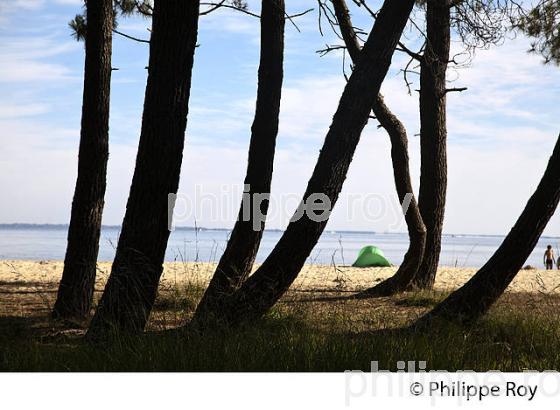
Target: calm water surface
48,242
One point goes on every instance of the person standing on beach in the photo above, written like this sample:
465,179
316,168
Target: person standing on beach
548,258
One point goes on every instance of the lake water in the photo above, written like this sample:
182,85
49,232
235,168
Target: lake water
48,242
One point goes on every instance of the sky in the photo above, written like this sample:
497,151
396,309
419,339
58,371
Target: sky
501,131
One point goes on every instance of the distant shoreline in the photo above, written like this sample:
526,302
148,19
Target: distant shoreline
30,226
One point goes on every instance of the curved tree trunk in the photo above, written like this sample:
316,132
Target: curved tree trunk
263,289
132,286
75,292
407,272
433,136
477,296
238,258
399,154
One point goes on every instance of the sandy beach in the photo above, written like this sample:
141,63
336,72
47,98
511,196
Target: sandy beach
20,275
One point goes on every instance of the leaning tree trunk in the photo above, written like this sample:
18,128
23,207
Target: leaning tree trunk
263,289
75,292
132,286
474,298
399,155
433,136
408,270
238,258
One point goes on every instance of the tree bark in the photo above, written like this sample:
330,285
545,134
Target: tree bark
237,261
401,171
474,298
433,136
132,286
263,289
405,275
75,292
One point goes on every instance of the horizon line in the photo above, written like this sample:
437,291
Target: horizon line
199,228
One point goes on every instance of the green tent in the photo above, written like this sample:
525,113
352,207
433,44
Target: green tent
371,256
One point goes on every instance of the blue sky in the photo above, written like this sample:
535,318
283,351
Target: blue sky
501,131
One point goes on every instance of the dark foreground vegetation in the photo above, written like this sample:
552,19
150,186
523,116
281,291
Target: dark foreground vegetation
304,332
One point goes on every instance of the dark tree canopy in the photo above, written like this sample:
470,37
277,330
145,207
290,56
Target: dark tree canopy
542,23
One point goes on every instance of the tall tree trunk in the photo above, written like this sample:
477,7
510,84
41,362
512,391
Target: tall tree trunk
433,136
263,289
75,292
401,171
408,270
238,258
474,298
132,286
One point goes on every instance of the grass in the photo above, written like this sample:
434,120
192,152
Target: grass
425,299
302,335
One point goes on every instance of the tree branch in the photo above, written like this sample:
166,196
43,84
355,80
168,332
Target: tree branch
457,89
140,40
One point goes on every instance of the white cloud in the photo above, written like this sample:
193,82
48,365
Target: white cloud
30,59
8,111
70,2
13,5
308,105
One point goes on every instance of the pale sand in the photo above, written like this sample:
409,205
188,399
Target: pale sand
29,274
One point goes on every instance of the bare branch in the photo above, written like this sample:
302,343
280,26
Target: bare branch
212,8
457,89
329,48
401,46
140,40
222,4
